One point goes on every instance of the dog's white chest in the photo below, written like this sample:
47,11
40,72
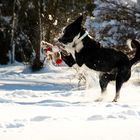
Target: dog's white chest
79,46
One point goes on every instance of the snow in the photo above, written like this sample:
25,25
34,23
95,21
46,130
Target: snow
49,105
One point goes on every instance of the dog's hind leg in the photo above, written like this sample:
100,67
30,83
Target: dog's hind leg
105,78
122,76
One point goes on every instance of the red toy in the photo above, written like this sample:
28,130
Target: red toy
52,52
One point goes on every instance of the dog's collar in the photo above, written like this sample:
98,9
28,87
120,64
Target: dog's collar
81,38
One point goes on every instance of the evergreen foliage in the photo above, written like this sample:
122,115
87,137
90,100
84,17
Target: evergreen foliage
115,21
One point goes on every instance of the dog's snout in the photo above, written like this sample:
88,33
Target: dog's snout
60,39
63,40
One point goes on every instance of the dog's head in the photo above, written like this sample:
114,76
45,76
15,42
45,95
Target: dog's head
71,33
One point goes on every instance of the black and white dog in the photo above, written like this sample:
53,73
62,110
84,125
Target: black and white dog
112,64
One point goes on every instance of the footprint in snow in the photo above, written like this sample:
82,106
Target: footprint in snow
129,112
95,117
14,125
40,118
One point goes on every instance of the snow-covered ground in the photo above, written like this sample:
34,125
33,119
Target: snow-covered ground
49,105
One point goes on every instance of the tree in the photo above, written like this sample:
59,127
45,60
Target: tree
115,21
14,19
5,30
35,37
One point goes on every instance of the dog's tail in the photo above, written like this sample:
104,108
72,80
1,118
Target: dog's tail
136,44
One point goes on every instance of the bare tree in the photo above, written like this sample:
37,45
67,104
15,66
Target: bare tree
13,33
37,64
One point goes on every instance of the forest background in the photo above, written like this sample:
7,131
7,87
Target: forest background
25,23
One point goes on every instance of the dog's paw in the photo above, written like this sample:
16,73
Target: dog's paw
114,100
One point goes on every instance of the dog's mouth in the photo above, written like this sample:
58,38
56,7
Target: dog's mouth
63,41
62,44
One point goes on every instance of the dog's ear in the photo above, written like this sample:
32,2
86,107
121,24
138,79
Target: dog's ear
79,20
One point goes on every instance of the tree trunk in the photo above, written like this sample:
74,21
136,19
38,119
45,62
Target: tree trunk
13,34
37,64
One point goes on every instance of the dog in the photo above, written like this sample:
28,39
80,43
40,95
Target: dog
112,65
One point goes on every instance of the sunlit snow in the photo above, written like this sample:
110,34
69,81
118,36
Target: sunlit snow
49,105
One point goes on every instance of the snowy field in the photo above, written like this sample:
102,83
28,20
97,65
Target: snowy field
49,105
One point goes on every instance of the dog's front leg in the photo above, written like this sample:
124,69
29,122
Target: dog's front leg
103,81
116,97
